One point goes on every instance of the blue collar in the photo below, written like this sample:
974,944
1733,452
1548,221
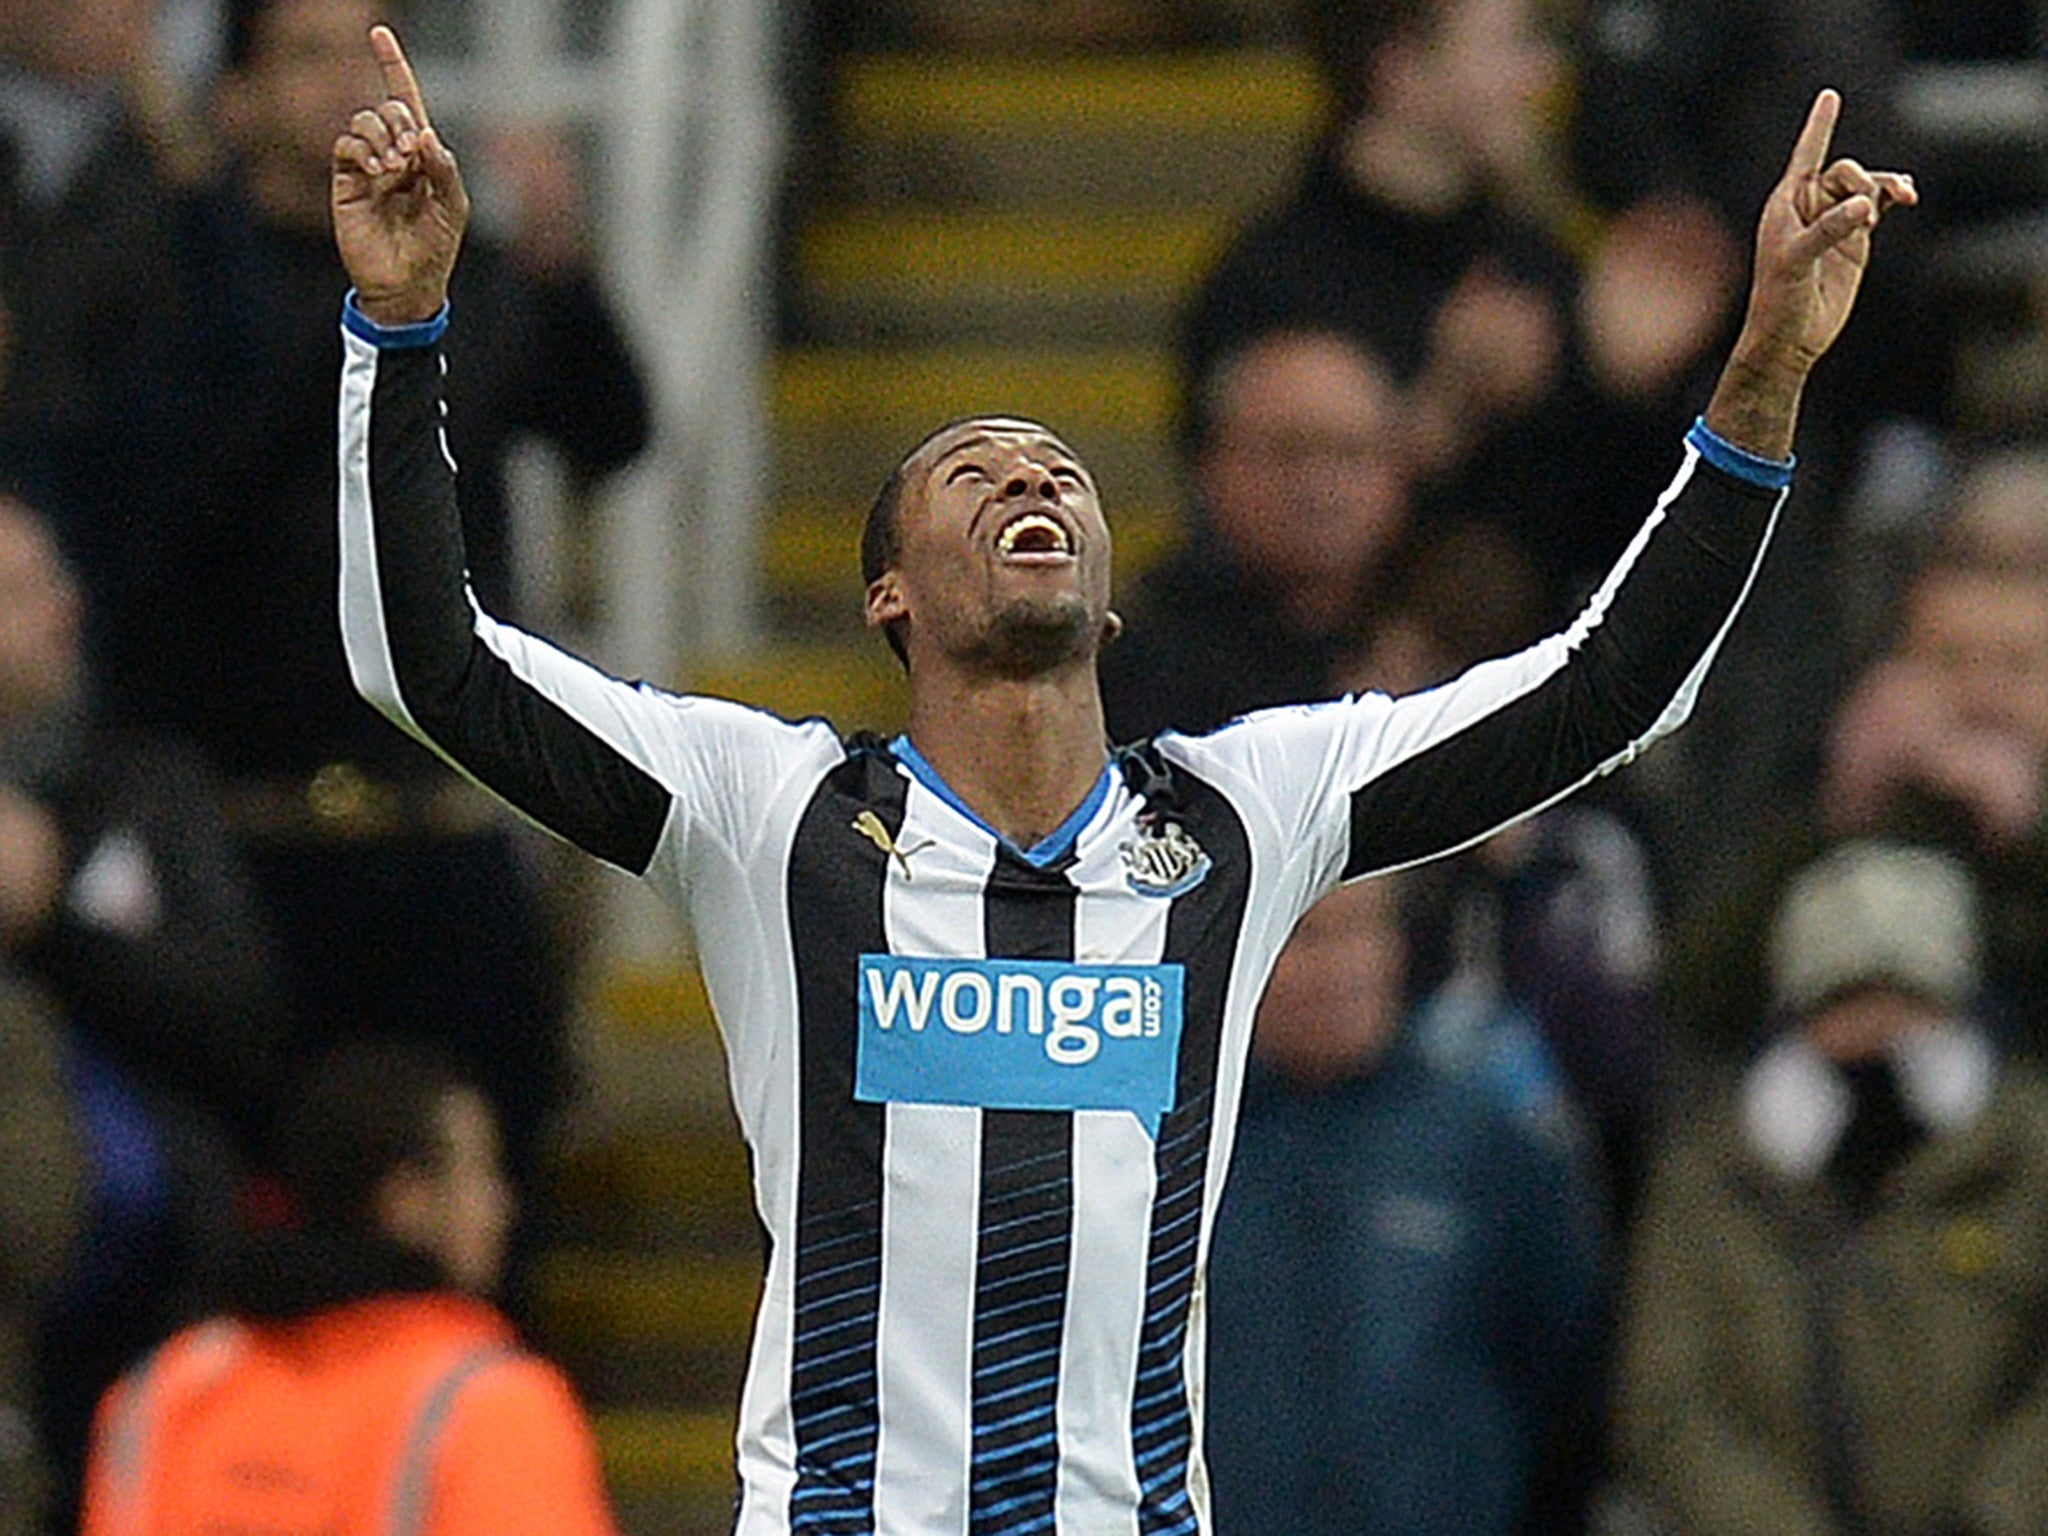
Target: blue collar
1039,855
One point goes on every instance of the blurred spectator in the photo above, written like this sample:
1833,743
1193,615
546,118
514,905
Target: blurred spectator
1048,26
1692,95
1942,738
41,1212
1415,227
98,391
1299,496
1947,737
356,1381
1838,1302
1549,350
1405,1285
398,894
1687,94
1381,1263
120,900
1681,96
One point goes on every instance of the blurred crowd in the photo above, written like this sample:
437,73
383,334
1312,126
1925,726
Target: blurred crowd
216,863
1674,1162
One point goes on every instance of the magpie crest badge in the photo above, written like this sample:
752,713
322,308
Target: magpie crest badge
1162,860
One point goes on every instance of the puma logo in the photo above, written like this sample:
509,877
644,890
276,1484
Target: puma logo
869,826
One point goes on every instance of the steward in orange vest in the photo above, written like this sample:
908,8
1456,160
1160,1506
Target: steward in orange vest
355,1384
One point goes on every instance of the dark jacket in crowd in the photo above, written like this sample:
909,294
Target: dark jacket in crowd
1334,257
240,650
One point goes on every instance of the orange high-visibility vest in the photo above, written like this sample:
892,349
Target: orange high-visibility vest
407,1415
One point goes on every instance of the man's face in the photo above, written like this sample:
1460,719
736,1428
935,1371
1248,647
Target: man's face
471,1201
1003,556
1985,634
39,619
1489,69
83,41
1334,1003
308,72
1866,1023
1301,474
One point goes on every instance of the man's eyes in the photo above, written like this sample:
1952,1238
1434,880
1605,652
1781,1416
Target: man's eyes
1065,474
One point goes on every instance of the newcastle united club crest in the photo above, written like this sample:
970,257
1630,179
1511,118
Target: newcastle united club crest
1162,860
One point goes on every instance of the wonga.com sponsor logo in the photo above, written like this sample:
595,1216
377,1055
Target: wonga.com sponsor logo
1019,1034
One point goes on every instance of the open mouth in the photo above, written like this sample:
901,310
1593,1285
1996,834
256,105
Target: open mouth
1033,534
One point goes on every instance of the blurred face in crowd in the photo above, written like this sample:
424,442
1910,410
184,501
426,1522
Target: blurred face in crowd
1474,80
1497,68
307,73
2001,514
1301,473
1335,1001
459,1211
1984,635
81,41
39,618
1865,1023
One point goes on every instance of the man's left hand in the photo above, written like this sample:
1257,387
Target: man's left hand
1812,245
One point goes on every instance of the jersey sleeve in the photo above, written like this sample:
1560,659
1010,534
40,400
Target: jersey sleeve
610,765
1368,784
518,1458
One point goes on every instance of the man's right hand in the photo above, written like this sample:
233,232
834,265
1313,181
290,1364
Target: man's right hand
398,199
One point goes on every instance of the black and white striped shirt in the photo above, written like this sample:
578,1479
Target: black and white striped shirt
989,1091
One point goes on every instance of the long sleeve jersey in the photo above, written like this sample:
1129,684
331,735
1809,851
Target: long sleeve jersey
989,1090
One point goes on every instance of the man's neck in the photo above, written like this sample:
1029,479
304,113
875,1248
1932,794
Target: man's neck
1405,166
1022,754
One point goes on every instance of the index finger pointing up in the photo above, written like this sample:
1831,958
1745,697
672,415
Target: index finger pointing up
398,75
1811,152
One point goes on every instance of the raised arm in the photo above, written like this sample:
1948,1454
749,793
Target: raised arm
573,749
1399,781
1520,732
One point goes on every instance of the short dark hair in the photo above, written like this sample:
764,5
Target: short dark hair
881,535
369,1107
1343,36
245,20
880,540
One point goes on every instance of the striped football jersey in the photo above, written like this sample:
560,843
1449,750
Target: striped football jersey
989,1090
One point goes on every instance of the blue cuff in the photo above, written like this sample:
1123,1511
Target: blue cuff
1771,474
421,333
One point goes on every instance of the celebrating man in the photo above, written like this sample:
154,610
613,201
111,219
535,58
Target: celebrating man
987,988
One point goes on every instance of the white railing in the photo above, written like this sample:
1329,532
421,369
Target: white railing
680,108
